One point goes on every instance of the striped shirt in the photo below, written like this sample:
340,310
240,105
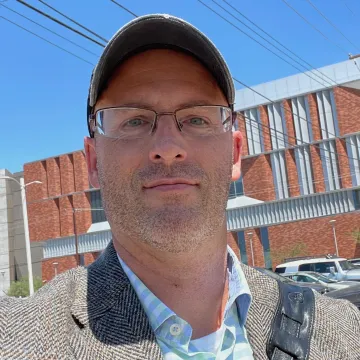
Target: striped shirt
173,334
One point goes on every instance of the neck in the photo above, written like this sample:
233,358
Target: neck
192,284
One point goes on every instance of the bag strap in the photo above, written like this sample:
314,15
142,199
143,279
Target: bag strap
292,326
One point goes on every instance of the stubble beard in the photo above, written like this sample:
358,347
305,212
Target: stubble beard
176,227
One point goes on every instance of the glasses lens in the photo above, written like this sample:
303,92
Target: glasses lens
125,122
204,120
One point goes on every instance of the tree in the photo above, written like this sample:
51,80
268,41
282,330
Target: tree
21,287
355,234
299,249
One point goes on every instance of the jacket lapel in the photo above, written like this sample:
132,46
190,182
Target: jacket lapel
110,321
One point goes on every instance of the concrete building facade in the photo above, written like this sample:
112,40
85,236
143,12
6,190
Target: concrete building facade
13,263
300,169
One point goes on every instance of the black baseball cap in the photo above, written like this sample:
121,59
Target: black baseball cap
158,31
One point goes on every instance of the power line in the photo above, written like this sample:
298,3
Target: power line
73,21
265,97
331,23
278,42
60,22
124,8
315,28
258,42
49,42
347,6
53,32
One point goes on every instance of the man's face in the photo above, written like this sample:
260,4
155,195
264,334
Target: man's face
134,175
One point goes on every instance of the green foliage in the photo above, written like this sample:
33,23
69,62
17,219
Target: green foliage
299,249
21,287
355,234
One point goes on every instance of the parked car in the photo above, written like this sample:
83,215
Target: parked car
331,266
355,262
316,278
351,293
317,287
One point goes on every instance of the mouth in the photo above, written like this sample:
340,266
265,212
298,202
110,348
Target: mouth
171,184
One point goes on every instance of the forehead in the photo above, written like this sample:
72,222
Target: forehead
154,72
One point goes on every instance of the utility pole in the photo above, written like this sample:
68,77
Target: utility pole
77,255
251,248
26,226
332,223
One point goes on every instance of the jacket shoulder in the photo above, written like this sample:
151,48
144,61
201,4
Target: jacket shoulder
336,328
37,323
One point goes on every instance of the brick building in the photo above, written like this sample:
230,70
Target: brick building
301,169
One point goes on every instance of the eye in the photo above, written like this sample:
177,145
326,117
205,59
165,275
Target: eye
134,122
197,121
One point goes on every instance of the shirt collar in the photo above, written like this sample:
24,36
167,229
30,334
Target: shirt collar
158,312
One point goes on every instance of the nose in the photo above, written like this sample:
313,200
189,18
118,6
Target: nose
168,145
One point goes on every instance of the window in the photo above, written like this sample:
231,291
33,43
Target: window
280,270
277,126
346,265
236,188
279,174
356,195
330,165
324,267
353,150
264,236
305,267
304,278
303,165
327,114
253,131
96,204
302,124
242,247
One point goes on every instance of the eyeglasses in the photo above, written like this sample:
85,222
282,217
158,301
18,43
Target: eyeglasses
134,123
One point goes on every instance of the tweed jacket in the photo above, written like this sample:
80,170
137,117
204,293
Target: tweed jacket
94,313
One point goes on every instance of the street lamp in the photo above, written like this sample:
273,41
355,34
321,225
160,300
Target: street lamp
251,248
26,226
332,223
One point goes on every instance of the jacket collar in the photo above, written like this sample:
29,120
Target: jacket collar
108,313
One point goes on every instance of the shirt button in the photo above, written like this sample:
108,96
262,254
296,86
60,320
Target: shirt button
175,329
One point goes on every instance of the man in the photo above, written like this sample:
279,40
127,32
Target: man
163,151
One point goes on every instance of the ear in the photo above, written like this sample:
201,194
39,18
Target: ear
237,143
91,161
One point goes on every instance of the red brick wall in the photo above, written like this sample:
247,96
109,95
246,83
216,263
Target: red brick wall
293,179
36,171
81,173
344,166
83,217
67,174
44,220
317,236
348,109
314,115
66,216
318,173
64,263
53,177
258,178
289,120
264,117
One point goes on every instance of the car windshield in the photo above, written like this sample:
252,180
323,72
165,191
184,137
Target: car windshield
346,265
323,278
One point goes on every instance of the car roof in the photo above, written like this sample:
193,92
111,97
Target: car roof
308,261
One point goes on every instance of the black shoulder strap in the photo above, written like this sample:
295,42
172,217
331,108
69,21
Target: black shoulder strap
293,324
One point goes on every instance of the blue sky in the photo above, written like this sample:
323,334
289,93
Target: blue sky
43,90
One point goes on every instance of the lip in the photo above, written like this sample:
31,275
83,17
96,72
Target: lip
170,184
